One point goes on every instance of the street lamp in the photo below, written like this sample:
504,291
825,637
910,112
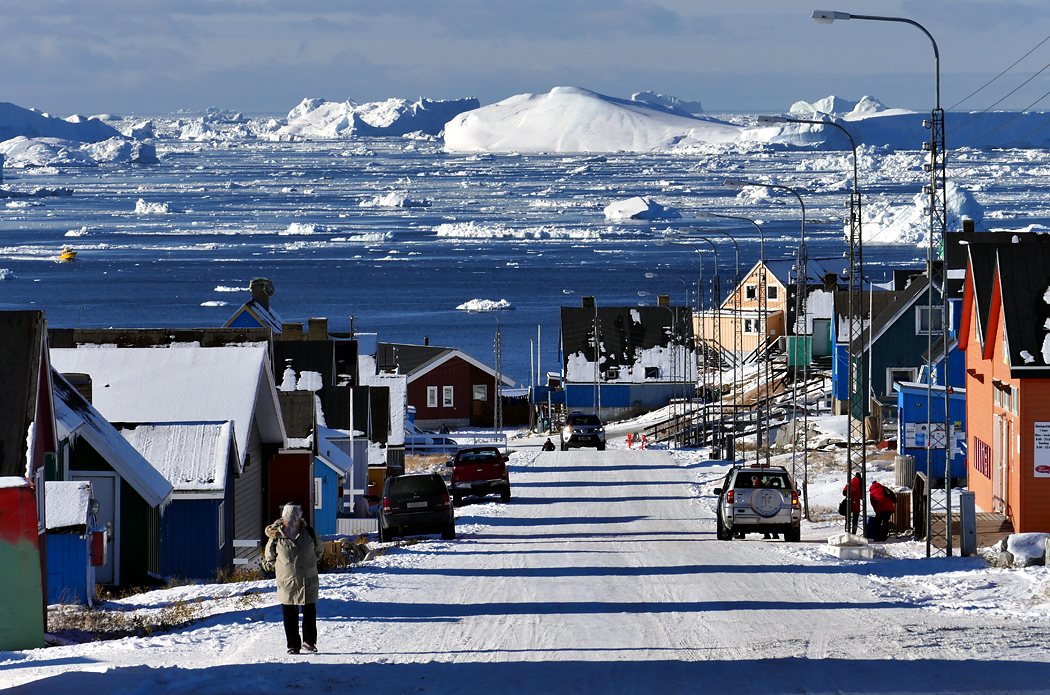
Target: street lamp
800,320
937,189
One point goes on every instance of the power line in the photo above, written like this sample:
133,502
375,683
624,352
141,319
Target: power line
1017,115
1003,99
1001,74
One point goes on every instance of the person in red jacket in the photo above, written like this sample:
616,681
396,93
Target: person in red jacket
883,504
856,494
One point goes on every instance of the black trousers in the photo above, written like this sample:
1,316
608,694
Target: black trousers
855,517
882,525
291,624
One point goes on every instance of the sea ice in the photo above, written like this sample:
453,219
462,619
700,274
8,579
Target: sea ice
639,208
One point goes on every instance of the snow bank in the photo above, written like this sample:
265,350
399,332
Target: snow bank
639,208
884,224
570,119
316,118
485,305
16,121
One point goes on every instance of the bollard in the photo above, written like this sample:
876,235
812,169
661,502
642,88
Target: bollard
967,524
628,440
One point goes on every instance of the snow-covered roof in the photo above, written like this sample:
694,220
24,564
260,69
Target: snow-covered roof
182,384
75,417
193,456
66,503
13,481
334,457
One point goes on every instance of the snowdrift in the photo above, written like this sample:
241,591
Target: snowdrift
316,118
15,121
570,119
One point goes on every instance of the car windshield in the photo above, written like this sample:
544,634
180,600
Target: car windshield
583,420
413,484
777,481
484,456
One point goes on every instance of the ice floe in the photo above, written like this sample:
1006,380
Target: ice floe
639,208
485,305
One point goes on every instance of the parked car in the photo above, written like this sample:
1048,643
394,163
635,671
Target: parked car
758,499
416,504
479,470
583,430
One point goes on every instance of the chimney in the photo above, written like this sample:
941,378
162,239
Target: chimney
291,331
318,329
588,302
831,282
663,300
426,341
262,290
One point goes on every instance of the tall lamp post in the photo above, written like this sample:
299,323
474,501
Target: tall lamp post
858,403
801,330
937,190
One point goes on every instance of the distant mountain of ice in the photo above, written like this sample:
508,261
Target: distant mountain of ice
837,106
570,119
22,152
317,118
16,120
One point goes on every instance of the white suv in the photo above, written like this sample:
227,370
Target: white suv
758,499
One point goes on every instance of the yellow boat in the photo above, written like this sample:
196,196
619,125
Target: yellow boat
66,255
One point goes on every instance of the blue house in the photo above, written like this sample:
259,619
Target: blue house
70,521
199,459
333,468
912,434
256,312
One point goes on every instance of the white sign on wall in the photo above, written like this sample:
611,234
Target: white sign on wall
1041,450
915,435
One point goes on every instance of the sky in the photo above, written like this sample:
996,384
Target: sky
264,56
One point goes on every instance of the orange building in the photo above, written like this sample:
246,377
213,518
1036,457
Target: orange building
1005,333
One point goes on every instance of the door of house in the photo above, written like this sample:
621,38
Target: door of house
105,487
1001,465
821,337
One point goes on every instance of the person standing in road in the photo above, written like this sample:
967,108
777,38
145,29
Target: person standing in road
548,445
294,548
855,491
882,501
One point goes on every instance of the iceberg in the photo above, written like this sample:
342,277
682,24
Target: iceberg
16,121
639,208
571,119
316,118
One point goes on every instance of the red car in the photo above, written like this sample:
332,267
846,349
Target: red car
479,470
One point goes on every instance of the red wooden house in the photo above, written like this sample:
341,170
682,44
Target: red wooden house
1005,333
447,386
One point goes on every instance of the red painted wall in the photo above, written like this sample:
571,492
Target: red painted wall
291,480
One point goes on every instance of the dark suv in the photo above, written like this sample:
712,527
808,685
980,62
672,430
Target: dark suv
758,499
479,470
583,430
416,504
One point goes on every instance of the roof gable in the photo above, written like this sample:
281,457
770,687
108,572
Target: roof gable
450,355
1024,286
252,314
76,417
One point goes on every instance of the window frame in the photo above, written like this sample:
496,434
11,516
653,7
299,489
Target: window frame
891,381
448,397
432,396
751,292
922,309
483,389
318,493
772,293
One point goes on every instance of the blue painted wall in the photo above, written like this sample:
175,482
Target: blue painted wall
245,320
70,576
911,408
325,517
651,395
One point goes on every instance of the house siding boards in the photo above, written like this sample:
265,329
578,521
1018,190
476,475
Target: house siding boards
462,377
249,521
190,540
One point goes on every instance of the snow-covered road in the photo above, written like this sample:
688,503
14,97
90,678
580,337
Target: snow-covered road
602,576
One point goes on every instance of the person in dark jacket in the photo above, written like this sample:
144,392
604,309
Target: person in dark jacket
294,548
548,445
856,494
883,504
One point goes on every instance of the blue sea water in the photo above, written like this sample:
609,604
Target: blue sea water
528,229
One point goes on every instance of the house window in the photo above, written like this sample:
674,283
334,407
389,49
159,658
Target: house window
751,293
1015,400
751,326
772,293
652,372
896,375
481,392
922,320
612,373
222,524
432,396
318,497
446,396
